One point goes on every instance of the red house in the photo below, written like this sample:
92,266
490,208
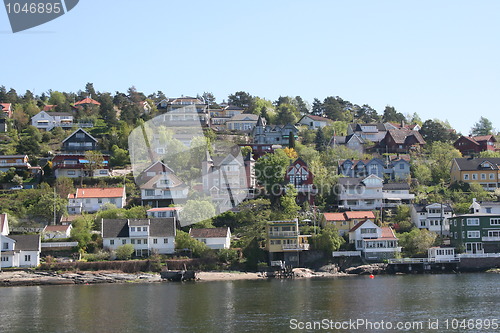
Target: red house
470,145
299,175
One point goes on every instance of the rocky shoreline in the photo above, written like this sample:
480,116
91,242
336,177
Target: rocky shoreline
39,278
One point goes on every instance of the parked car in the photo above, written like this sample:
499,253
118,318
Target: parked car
17,187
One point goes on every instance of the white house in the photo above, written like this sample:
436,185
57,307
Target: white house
162,212
214,238
146,235
244,122
57,231
314,122
431,217
91,199
484,207
360,193
48,120
20,251
396,194
160,187
374,242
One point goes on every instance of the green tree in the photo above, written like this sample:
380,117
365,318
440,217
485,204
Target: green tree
184,241
328,240
44,206
391,115
64,186
270,173
417,242
195,211
288,206
124,252
119,157
320,140
95,161
433,131
82,231
482,127
240,98
286,114
441,157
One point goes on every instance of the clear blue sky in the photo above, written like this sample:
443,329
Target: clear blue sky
440,59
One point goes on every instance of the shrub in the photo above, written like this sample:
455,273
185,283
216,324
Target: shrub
124,252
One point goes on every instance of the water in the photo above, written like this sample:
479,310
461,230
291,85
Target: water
255,306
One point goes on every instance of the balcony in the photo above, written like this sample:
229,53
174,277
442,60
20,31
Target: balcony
295,247
491,239
283,234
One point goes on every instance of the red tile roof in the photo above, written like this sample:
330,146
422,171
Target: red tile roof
208,232
334,216
360,215
109,192
49,107
87,101
164,209
387,233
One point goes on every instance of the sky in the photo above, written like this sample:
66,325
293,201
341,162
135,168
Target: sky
439,59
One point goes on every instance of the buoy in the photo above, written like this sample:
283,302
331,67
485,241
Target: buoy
372,276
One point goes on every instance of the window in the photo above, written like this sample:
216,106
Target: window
492,176
103,172
27,257
150,192
474,176
493,233
473,234
144,228
165,241
483,176
132,229
113,201
71,172
99,200
473,221
488,210
368,230
124,241
4,258
139,241
466,176
155,240
5,246
87,201
401,166
495,221
145,241
111,242
132,241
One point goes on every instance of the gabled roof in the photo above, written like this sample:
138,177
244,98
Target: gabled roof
244,117
26,242
57,228
334,216
14,156
119,228
387,233
469,164
174,181
54,114
381,127
80,130
5,106
316,118
476,140
98,192
87,101
359,215
402,136
209,232
47,108
358,225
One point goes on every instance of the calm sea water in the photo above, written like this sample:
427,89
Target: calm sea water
257,306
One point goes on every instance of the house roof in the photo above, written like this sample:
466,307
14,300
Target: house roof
358,127
6,106
26,242
174,182
359,224
49,107
401,136
56,228
244,117
164,209
316,118
396,186
477,139
475,163
334,216
359,215
208,232
87,101
53,114
387,233
14,156
99,192
80,130
119,228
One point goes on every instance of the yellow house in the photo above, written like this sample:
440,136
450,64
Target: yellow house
482,171
345,221
284,241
